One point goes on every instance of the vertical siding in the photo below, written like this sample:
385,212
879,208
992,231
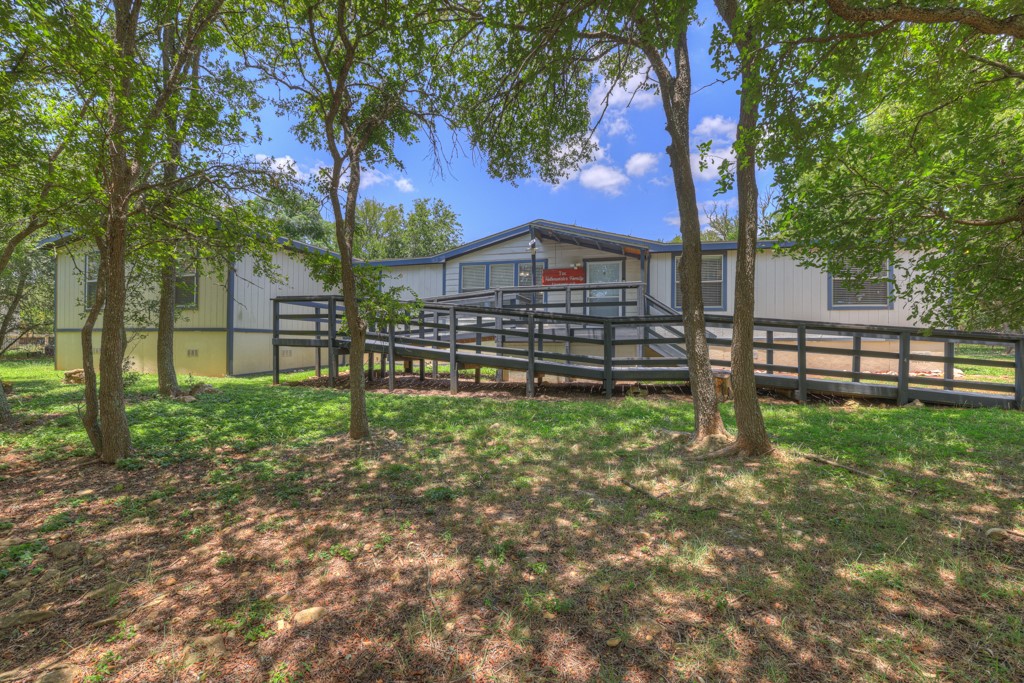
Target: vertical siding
424,280
557,254
785,289
253,309
71,312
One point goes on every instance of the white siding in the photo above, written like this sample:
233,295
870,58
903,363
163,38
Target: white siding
424,280
785,289
558,255
253,309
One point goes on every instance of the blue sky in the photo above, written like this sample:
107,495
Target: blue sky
626,189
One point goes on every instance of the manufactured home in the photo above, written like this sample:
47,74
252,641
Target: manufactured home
225,324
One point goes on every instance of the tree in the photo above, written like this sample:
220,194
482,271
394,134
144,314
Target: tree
385,232
359,77
752,437
291,212
130,142
26,296
723,224
544,59
903,151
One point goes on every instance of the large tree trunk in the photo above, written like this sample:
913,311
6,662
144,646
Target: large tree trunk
167,376
117,440
752,438
344,228
675,95
91,414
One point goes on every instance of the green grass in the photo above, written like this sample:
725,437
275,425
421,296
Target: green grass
501,534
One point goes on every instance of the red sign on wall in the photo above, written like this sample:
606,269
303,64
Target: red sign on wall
563,276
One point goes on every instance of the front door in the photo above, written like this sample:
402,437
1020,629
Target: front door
599,272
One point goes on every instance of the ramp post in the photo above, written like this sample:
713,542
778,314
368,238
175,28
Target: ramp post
903,377
391,356
609,351
531,342
453,364
332,339
801,363
277,349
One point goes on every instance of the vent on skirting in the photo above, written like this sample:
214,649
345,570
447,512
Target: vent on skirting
193,353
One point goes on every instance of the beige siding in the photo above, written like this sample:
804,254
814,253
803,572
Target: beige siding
209,315
424,280
202,354
253,354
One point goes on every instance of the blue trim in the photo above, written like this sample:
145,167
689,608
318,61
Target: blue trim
515,263
231,322
676,304
444,279
889,305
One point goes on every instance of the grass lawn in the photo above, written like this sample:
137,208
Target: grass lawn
480,539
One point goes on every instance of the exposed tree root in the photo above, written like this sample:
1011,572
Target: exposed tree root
833,463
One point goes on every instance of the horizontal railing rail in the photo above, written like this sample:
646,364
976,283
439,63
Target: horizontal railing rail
558,338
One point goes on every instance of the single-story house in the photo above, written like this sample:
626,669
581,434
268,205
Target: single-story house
225,327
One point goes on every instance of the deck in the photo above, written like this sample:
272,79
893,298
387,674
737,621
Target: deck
582,332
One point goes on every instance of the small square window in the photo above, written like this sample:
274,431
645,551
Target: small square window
186,289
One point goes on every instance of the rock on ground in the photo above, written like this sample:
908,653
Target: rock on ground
25,618
308,616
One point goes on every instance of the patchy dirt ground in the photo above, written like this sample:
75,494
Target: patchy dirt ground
512,540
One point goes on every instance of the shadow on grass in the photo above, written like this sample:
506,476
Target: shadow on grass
498,540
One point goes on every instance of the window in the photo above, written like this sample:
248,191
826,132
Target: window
503,275
474,277
186,289
873,291
91,277
712,281
526,273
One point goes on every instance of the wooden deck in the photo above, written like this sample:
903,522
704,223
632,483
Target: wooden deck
516,330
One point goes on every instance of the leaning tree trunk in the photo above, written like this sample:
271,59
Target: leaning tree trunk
167,375
675,96
344,228
91,414
751,438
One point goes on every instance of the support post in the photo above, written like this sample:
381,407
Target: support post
319,372
423,369
1018,373
856,356
948,371
769,336
453,365
531,341
801,363
373,367
609,351
391,356
277,335
903,371
332,337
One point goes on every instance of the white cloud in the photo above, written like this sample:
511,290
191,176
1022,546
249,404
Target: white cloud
611,101
672,220
603,178
371,176
404,185
641,163
714,159
717,128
